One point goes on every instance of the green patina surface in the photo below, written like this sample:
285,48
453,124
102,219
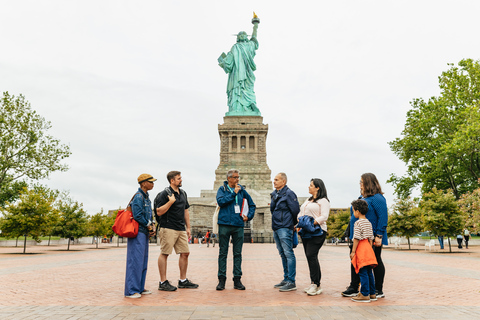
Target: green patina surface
239,66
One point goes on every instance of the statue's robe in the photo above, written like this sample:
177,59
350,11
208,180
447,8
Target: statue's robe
240,66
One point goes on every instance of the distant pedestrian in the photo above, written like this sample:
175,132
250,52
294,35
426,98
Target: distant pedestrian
459,241
285,208
440,241
207,238
317,209
466,236
137,248
362,255
214,237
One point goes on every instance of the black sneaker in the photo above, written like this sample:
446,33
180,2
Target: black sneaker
281,284
350,292
290,286
380,294
187,284
166,286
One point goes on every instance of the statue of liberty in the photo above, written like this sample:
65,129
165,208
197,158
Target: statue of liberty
239,65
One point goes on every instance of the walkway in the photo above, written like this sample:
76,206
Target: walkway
87,283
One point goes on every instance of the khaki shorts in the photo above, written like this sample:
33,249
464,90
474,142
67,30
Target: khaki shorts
170,239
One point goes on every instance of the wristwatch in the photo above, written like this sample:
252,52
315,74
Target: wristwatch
379,236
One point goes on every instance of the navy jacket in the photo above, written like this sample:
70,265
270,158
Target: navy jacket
284,208
309,228
226,201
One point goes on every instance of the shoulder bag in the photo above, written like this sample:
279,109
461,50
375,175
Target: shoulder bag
125,225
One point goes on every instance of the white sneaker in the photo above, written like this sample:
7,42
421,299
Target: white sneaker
146,291
311,287
315,291
134,296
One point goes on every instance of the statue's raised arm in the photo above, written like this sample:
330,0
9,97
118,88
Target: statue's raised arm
239,65
255,22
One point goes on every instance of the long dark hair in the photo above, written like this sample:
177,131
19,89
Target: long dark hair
322,191
371,186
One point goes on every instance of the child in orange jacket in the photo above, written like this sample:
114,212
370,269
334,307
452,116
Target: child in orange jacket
363,257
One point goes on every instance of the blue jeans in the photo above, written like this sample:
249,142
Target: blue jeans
440,240
137,262
367,280
284,241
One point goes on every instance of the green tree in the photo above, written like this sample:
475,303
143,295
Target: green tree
53,220
72,222
26,150
441,140
110,220
98,225
405,220
28,216
469,204
53,216
441,214
337,223
10,192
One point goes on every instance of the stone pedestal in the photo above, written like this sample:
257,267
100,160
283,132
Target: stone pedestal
243,147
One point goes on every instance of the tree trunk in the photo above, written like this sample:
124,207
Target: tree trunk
408,239
25,244
68,247
16,242
118,241
49,237
449,244
97,242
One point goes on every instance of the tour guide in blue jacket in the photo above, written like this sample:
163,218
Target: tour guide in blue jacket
231,219
285,208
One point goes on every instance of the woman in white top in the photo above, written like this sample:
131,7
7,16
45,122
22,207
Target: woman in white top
318,207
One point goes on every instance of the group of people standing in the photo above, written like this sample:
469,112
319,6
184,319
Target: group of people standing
235,206
171,212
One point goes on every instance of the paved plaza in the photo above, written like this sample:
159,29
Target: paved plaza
87,283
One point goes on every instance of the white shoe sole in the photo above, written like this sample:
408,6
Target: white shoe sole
315,293
350,295
306,289
360,300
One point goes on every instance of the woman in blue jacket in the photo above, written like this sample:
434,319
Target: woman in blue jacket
377,214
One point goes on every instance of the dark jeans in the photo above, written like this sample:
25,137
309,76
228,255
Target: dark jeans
311,246
224,234
378,272
466,241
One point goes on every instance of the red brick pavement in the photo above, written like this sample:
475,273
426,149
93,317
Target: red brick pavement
50,276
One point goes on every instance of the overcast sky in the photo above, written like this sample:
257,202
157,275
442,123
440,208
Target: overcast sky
134,86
